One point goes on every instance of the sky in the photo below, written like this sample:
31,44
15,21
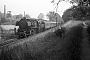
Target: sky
32,7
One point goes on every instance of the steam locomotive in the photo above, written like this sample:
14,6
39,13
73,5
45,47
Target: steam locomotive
33,27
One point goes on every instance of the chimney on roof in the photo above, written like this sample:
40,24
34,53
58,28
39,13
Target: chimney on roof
24,13
5,11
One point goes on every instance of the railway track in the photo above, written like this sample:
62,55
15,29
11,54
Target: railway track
9,42
15,40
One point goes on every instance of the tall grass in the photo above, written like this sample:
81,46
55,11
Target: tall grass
45,46
75,39
30,48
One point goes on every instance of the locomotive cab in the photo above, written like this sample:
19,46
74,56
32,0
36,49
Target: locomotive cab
33,26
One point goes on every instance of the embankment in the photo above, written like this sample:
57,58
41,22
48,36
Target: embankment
45,46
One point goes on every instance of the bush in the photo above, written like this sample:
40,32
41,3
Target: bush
4,20
80,13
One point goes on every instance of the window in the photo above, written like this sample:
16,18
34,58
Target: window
29,23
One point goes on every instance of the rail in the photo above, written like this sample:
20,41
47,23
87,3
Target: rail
15,40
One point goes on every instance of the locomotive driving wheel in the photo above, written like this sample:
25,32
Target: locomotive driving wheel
33,31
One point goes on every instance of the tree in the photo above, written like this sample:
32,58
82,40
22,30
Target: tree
9,15
55,17
1,15
27,16
19,16
67,15
79,12
79,2
51,15
41,16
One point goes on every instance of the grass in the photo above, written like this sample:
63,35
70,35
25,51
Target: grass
31,47
6,35
45,46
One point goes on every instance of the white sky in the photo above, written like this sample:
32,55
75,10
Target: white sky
31,7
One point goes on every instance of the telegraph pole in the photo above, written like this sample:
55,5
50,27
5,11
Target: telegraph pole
56,10
56,13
